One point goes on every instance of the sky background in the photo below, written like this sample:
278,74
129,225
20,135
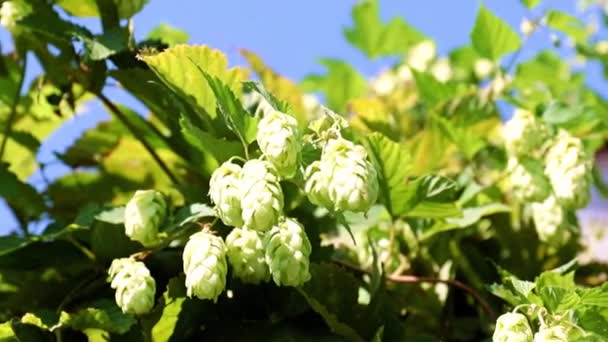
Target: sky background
290,36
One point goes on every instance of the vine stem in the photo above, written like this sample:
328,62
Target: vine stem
412,279
13,114
121,116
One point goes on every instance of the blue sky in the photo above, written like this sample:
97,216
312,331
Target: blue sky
290,36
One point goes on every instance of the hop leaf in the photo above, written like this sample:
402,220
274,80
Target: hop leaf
278,138
512,327
224,190
523,133
144,214
569,170
549,220
287,253
245,249
135,287
343,179
528,180
262,197
205,265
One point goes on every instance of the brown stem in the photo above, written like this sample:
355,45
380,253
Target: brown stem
412,279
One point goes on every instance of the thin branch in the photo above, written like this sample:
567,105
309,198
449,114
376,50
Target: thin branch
121,116
412,279
13,114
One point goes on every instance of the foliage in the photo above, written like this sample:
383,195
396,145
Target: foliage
402,209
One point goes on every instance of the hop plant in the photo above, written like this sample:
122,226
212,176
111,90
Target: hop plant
317,184
568,168
549,220
12,11
556,333
387,249
528,179
287,253
261,196
512,327
205,265
245,250
225,192
144,214
278,138
135,287
523,133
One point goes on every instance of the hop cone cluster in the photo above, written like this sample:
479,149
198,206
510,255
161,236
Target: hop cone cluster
343,179
144,214
135,287
224,190
261,195
512,327
287,253
549,219
278,138
568,169
523,133
528,179
205,265
246,255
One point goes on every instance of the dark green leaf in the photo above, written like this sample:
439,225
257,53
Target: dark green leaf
19,195
102,314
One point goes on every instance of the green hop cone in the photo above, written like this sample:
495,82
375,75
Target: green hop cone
144,214
245,250
569,170
278,138
512,327
287,253
550,222
523,133
557,333
343,179
528,180
135,287
205,265
262,197
224,190
12,11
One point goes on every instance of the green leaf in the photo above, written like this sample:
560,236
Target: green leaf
530,3
461,135
6,333
104,45
113,216
258,87
469,217
21,196
432,91
192,213
31,332
392,162
567,24
102,314
109,241
168,35
374,38
492,37
341,83
45,21
88,8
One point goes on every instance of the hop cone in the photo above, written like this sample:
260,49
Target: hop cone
12,11
144,214
287,253
557,333
528,180
568,169
549,220
278,138
225,192
245,249
523,133
262,197
205,265
135,287
512,327
349,179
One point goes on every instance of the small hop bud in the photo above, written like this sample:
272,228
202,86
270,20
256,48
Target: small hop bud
246,255
384,84
527,27
528,179
12,11
225,192
549,220
483,67
569,170
205,265
278,138
144,214
523,133
421,54
442,70
512,327
287,253
135,287
262,197
557,333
